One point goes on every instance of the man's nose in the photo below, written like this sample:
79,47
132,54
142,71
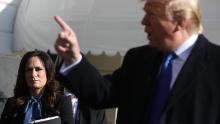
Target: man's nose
145,21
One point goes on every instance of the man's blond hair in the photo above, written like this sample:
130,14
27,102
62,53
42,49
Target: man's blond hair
175,10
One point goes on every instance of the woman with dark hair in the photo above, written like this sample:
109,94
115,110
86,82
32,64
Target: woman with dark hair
36,93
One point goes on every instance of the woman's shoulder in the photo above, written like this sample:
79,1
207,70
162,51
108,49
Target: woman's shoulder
10,101
14,104
11,108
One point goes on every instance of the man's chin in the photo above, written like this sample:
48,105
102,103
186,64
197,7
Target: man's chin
156,46
152,45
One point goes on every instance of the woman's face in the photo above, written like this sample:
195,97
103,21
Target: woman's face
35,75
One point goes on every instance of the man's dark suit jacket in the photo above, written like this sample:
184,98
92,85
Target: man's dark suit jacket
15,115
87,115
194,99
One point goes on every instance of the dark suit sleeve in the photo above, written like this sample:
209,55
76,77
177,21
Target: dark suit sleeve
89,86
113,90
65,107
85,81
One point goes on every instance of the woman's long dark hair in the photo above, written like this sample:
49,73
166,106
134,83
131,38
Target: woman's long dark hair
21,90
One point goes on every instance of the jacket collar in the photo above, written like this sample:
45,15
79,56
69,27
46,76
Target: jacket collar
195,64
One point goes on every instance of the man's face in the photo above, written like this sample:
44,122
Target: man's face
160,30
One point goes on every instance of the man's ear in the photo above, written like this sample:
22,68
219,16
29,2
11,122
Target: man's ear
181,23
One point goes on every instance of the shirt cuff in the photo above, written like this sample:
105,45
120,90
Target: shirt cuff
64,69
